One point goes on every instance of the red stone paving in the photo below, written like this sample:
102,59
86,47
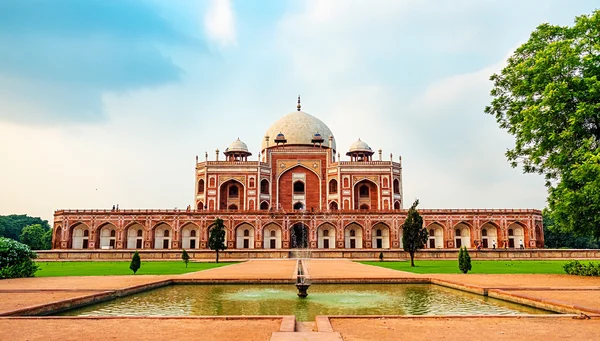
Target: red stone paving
586,300
77,329
254,269
339,269
465,328
78,282
13,301
521,280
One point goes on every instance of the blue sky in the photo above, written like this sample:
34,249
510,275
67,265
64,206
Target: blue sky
109,101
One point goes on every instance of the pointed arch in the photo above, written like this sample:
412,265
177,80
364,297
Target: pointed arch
333,205
232,194
163,235
80,233
366,194
491,235
463,234
353,236
135,234
516,234
106,235
244,234
264,186
190,235
272,233
326,236
436,235
380,235
287,195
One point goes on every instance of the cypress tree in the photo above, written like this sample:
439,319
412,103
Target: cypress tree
136,262
464,260
414,234
185,257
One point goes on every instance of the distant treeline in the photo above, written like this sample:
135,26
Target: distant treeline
32,231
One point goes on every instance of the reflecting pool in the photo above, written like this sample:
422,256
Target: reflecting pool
323,299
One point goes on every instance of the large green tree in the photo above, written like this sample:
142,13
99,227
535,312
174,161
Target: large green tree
414,234
548,97
216,239
12,225
556,237
34,237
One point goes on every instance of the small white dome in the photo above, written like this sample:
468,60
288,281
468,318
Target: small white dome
237,146
360,146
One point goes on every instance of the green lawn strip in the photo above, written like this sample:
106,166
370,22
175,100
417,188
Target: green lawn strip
479,266
53,269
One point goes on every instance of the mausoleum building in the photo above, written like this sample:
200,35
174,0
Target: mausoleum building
296,193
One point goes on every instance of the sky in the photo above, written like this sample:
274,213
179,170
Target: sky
106,102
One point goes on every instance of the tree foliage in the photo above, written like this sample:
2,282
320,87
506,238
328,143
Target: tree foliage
16,259
12,225
216,240
35,237
464,260
556,237
548,97
414,234
185,257
136,262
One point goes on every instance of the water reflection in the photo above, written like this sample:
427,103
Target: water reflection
324,299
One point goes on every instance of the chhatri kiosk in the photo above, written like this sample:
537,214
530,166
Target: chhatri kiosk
299,194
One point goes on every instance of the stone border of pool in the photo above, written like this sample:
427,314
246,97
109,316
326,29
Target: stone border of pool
105,295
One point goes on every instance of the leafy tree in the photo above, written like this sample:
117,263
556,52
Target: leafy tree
414,234
464,260
12,225
216,240
548,97
556,237
47,240
16,259
185,257
33,236
136,262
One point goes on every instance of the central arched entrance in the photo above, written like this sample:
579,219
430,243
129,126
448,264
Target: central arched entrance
299,236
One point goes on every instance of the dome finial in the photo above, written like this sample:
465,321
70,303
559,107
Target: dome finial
299,106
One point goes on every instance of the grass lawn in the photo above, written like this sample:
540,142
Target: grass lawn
53,269
479,266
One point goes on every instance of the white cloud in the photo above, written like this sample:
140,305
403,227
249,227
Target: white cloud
219,23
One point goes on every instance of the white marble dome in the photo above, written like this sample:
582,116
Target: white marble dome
237,146
360,146
299,128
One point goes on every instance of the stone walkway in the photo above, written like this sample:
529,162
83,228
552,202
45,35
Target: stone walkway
572,293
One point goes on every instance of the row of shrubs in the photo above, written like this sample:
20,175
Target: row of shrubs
577,268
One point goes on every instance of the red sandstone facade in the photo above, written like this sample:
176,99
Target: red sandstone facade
299,194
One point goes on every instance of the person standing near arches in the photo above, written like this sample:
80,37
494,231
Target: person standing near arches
521,244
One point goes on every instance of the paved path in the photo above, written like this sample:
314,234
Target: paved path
342,269
467,328
250,270
138,328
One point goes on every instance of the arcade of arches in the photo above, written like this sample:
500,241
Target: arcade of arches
295,231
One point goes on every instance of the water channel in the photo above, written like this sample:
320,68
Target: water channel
324,299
